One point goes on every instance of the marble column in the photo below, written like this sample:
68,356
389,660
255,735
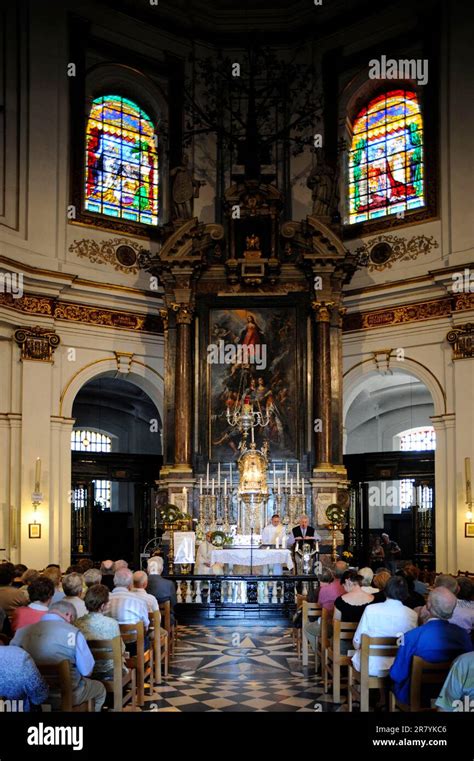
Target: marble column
322,384
183,392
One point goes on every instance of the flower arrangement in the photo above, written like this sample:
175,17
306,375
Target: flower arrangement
347,555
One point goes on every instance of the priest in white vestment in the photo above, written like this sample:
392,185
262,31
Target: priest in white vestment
203,565
274,534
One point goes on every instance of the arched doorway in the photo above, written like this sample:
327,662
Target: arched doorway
116,457
389,444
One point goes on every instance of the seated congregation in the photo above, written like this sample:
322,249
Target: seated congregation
96,639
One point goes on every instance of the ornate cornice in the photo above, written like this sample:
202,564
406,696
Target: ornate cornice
381,318
81,313
461,339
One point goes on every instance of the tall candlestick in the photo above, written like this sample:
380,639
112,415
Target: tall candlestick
200,487
467,469
286,474
207,477
218,475
37,474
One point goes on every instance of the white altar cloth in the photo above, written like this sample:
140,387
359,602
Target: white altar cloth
259,557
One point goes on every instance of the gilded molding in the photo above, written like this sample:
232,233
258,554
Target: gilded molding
105,252
461,339
322,310
403,249
381,318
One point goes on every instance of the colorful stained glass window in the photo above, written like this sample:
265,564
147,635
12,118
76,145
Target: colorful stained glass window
121,161
386,157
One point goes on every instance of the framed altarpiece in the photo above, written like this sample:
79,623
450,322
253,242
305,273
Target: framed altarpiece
256,347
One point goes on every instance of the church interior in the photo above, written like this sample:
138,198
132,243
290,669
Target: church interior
236,342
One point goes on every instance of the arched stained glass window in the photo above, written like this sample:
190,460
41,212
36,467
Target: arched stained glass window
121,161
386,157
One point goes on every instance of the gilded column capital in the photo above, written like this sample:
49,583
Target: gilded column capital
322,310
37,343
163,312
184,313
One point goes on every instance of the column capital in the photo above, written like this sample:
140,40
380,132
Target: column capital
184,313
37,344
322,310
163,312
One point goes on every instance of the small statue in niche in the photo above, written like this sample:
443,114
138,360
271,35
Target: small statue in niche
185,189
253,242
322,181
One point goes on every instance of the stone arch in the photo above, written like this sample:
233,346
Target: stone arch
355,376
142,375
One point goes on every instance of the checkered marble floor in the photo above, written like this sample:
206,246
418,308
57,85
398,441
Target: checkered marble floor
238,668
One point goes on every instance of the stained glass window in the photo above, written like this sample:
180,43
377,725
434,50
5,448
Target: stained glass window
386,157
417,439
121,161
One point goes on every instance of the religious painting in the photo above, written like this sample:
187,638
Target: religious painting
252,355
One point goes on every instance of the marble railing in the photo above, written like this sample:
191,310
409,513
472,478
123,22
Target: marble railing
224,590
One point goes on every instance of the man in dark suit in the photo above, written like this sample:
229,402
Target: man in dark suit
303,533
162,589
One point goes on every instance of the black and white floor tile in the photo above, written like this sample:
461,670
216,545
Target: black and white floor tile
241,668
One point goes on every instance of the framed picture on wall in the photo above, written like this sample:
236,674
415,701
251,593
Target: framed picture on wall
469,530
34,530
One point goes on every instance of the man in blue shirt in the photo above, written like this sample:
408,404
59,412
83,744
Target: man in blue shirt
435,641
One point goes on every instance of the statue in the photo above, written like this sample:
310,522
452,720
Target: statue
323,183
185,188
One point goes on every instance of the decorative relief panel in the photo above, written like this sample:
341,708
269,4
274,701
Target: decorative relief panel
383,251
120,253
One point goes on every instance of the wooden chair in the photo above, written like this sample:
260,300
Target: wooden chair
334,659
159,637
110,650
324,637
313,610
165,610
360,682
422,672
58,677
142,661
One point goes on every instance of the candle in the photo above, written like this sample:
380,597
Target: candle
274,475
291,486
37,474
185,499
225,487
200,486
212,490
302,486
297,472
286,474
279,488
230,475
207,477
218,475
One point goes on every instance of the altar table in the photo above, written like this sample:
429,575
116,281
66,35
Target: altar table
241,556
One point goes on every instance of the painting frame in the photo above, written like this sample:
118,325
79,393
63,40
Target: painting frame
296,304
469,530
34,530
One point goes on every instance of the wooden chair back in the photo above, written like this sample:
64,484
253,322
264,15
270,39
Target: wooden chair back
142,661
422,673
375,646
160,644
58,677
342,631
165,610
111,650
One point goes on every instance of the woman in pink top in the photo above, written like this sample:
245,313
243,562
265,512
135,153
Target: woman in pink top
330,589
40,592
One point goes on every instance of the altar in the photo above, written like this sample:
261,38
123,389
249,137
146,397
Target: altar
244,556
